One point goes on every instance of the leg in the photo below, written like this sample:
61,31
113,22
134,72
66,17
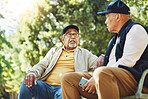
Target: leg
40,91
114,83
58,92
70,87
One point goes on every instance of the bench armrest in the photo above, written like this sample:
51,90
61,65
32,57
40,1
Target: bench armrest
140,85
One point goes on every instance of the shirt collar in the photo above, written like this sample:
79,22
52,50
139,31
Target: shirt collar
123,27
69,50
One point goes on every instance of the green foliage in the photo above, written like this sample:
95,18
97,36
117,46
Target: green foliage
41,28
94,34
3,40
139,11
5,65
3,93
10,74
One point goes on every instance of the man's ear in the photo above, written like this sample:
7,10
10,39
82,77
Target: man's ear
62,38
118,16
79,39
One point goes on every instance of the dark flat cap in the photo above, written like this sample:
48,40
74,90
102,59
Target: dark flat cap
70,27
116,7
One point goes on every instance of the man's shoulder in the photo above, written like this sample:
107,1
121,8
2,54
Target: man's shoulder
139,27
55,48
83,49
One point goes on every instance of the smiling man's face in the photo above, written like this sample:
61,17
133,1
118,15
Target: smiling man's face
71,39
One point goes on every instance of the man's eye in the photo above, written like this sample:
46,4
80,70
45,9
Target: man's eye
69,34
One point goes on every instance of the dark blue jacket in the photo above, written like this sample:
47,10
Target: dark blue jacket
140,65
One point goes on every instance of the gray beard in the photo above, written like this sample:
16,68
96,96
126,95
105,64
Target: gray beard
72,45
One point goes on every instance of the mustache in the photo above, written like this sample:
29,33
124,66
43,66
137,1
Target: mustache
72,40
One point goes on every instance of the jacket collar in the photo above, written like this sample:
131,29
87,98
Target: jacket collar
123,27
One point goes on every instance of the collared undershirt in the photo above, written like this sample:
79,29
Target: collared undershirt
135,44
65,64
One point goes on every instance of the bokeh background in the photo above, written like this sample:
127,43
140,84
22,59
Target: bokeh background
29,28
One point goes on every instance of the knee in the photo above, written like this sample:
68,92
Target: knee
66,77
101,73
23,87
71,77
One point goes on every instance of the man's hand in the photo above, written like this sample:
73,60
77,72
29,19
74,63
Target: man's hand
90,86
29,79
99,62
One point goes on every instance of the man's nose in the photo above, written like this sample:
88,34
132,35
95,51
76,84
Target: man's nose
73,36
106,21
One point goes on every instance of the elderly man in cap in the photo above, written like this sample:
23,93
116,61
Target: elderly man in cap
126,58
43,81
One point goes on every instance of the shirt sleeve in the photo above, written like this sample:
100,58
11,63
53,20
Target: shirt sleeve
40,67
135,44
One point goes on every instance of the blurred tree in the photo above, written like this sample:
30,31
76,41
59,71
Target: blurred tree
5,67
10,74
41,27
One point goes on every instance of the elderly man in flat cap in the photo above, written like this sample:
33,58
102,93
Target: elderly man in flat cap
43,81
118,73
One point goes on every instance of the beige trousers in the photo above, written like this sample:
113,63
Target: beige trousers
111,83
